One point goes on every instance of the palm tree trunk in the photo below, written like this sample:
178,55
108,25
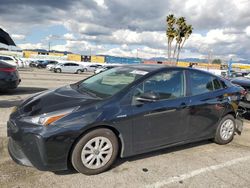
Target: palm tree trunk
175,50
178,53
179,49
168,50
183,42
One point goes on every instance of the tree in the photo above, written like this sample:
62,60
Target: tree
216,61
170,33
179,30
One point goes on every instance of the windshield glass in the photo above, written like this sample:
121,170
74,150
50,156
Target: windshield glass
110,82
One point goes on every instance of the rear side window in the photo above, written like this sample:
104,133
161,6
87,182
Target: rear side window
6,58
204,83
217,84
200,83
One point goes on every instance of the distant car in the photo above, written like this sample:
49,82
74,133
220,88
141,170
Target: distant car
104,68
245,83
51,67
32,63
10,60
91,68
35,63
43,64
68,67
9,76
121,112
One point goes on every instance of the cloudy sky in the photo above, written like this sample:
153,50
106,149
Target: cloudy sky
128,27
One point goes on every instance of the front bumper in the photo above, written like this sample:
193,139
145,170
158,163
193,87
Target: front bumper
29,146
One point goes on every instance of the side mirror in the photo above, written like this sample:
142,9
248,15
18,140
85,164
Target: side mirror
148,97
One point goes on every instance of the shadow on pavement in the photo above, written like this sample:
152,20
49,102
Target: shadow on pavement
120,161
9,103
19,91
22,90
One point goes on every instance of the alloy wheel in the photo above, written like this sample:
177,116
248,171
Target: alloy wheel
97,152
227,129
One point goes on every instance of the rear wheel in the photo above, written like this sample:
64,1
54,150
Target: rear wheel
78,71
225,131
95,152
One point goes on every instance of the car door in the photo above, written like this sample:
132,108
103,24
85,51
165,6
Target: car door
75,67
207,103
65,67
156,124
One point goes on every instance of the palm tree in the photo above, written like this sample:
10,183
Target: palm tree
181,26
187,31
177,29
170,33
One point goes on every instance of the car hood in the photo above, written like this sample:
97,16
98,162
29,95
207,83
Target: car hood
53,100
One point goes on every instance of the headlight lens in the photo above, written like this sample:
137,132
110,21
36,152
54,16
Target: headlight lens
48,118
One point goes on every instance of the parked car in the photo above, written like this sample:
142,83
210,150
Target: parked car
122,112
9,59
9,77
245,83
104,68
51,67
33,63
91,68
43,64
68,67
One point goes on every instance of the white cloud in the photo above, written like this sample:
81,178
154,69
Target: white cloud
18,37
32,46
121,27
247,30
69,36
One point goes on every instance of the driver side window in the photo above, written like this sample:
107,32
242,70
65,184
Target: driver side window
167,85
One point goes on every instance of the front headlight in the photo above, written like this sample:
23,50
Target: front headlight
48,118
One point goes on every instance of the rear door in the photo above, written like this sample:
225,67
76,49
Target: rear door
207,103
75,67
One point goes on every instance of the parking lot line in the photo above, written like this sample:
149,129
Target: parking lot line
197,172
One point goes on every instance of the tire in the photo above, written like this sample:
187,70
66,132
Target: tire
229,130
85,70
58,70
78,71
82,163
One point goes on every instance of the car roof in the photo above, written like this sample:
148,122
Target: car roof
157,67
4,64
6,55
146,67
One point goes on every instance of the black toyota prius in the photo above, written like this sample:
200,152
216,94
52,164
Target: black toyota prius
122,112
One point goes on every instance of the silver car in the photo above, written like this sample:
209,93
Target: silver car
68,67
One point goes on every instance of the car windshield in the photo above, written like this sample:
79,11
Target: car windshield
110,82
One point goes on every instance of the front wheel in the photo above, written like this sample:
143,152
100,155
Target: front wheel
95,152
225,131
58,70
